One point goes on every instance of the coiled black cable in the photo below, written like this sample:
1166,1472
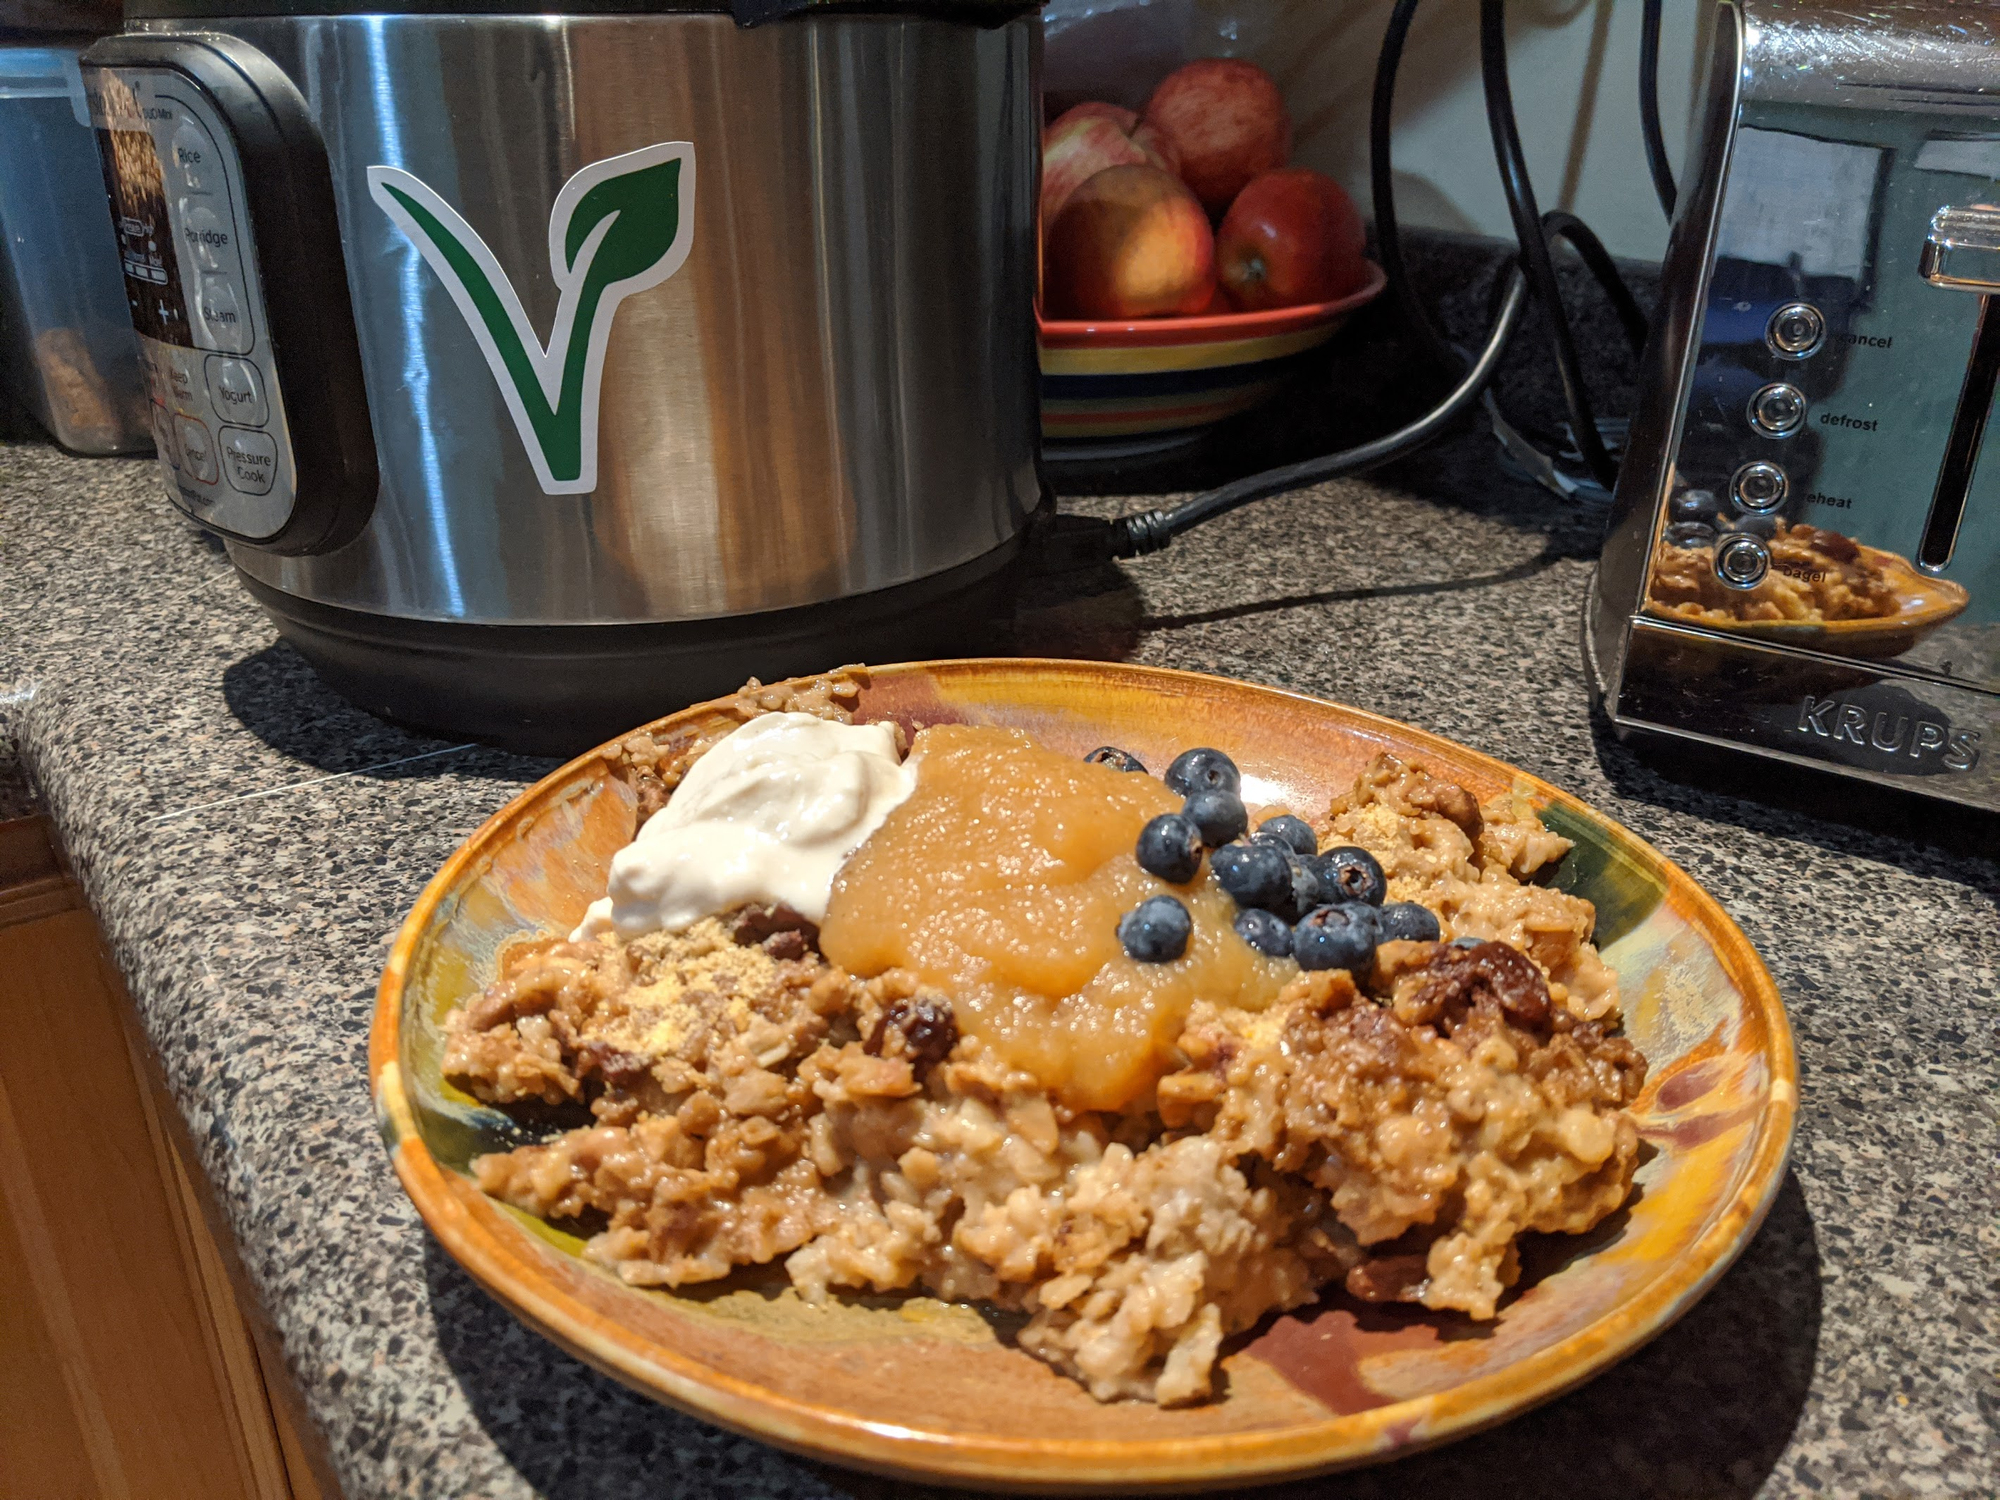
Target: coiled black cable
1535,257
1382,190
1559,225
1649,107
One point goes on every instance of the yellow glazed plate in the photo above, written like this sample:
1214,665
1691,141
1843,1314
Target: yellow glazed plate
917,1387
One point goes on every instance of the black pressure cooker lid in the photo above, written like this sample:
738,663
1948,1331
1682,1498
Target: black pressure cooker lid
746,12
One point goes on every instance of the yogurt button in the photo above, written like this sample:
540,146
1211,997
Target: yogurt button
236,391
252,459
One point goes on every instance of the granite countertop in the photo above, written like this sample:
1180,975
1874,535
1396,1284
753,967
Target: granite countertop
250,844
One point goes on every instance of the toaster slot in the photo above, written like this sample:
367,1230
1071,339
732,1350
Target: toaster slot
1961,449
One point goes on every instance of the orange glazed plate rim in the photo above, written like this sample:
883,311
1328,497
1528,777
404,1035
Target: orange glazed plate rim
508,1268
1199,327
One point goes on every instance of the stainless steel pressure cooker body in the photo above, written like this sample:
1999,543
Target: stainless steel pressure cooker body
547,372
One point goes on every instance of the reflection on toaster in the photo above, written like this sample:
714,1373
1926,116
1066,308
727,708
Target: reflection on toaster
1814,577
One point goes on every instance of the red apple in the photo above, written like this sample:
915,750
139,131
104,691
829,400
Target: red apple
1291,236
1227,123
1081,142
1132,242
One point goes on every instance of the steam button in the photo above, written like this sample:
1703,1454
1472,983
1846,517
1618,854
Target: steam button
1795,331
1741,561
221,315
197,449
1759,487
252,458
1778,410
236,391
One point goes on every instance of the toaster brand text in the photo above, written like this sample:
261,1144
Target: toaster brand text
1890,733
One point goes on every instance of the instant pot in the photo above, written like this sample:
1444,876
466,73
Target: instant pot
546,372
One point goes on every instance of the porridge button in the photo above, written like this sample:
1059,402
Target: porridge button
252,458
1741,562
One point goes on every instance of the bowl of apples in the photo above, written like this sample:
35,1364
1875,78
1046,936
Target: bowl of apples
1185,266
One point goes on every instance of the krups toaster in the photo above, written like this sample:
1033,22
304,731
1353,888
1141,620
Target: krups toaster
1804,554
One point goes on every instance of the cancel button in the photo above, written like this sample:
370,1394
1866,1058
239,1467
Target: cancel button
251,459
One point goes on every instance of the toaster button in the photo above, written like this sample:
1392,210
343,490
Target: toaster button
1778,410
1741,561
1795,331
1759,487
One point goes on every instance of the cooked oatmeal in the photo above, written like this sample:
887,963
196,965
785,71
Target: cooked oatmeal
1185,1157
1815,576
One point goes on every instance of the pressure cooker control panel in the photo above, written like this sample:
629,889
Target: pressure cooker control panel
209,157
176,186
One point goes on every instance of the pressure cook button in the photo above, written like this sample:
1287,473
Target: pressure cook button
1759,487
194,159
197,449
236,391
1778,410
1795,331
1741,562
252,458
221,314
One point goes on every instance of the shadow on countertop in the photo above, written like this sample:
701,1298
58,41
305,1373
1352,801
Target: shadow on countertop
1705,1410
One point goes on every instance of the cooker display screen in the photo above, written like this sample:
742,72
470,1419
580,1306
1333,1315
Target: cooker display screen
133,178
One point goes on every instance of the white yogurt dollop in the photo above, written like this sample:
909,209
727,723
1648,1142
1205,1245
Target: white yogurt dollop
768,815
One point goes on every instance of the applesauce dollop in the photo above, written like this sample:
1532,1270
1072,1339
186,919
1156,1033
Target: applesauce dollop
1000,882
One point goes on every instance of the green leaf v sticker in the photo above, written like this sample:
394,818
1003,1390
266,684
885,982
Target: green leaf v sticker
618,226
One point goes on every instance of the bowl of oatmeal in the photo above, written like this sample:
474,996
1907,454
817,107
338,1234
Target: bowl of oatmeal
865,1064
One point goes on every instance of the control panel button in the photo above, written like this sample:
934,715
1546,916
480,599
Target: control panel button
220,312
197,449
1778,410
252,459
1756,487
209,240
1741,561
236,390
194,165
1795,331
183,394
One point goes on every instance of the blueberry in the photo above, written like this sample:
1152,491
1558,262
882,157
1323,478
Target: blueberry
1294,833
1156,931
1256,874
1118,760
1336,937
1409,922
1765,527
1203,771
1303,894
1690,534
1220,816
1265,932
1693,505
1170,847
1350,874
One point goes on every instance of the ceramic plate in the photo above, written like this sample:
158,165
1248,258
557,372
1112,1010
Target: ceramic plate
919,1387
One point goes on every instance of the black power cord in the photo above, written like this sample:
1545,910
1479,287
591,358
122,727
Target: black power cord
1148,531
1649,107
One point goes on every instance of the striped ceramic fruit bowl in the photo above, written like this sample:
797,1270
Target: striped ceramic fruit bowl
1159,375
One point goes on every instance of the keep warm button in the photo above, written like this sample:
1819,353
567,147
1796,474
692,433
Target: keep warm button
252,459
